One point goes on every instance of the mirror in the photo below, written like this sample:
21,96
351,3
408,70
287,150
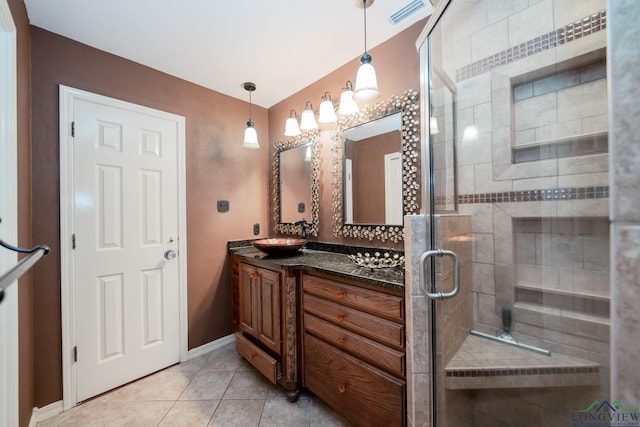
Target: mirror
363,207
295,183
372,172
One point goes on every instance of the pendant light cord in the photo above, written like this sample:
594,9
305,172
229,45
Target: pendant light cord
364,4
250,105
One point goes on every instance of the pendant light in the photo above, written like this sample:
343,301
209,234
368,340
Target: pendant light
250,135
366,82
308,119
347,104
327,112
291,127
433,126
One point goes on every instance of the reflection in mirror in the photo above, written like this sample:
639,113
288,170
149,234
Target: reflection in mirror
403,166
372,172
295,183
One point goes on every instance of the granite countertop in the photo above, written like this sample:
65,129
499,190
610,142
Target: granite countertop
334,263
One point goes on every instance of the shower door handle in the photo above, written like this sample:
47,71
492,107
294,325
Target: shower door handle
456,274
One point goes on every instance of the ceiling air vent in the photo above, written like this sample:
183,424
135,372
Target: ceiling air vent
406,11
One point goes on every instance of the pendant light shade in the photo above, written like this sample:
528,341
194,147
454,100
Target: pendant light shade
291,127
327,112
366,81
308,120
307,155
250,134
347,104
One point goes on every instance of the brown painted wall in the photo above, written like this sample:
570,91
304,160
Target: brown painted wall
397,65
217,168
25,286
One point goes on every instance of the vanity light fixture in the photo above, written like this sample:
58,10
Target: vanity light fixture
308,120
291,127
433,126
327,112
347,104
366,82
250,135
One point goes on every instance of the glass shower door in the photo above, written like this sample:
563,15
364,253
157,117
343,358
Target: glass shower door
515,97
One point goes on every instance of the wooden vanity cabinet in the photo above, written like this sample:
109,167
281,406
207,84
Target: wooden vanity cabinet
260,305
265,321
354,350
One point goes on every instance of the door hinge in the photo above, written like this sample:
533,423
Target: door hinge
73,241
75,353
73,129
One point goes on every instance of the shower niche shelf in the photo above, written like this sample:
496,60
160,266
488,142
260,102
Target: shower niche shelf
512,367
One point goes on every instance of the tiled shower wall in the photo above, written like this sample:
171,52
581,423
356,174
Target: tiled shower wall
556,91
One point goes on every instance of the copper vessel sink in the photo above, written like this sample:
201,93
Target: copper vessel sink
279,245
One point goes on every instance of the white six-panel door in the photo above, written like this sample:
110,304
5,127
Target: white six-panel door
126,223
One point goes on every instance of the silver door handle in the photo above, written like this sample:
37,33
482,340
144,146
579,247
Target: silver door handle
170,254
456,274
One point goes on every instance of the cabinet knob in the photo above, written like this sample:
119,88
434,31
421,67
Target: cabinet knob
340,317
340,340
340,295
342,388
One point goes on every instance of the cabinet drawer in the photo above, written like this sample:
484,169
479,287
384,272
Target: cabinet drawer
382,330
374,302
363,394
264,363
375,353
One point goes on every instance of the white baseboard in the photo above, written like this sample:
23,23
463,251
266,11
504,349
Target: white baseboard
209,347
41,414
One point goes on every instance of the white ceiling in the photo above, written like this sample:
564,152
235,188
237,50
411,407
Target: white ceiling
281,45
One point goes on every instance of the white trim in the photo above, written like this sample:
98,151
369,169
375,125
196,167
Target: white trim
46,412
9,340
67,97
435,15
209,347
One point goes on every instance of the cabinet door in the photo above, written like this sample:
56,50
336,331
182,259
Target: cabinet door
248,278
269,309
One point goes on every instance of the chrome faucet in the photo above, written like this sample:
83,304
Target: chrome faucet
304,227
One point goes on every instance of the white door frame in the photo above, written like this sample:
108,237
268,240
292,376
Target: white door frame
9,360
67,97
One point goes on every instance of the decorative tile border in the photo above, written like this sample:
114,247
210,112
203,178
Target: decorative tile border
600,192
574,31
500,372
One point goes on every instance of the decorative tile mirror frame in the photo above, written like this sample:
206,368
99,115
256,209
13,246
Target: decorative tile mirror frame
312,137
408,105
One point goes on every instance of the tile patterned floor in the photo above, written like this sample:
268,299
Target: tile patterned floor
216,389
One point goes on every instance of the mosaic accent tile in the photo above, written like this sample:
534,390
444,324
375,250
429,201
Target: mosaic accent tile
552,194
493,372
573,31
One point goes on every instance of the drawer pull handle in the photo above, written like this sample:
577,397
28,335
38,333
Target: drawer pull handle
252,356
340,295
340,340
340,317
342,388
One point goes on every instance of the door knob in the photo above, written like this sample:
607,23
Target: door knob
170,254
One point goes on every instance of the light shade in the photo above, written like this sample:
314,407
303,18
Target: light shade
433,126
291,127
327,112
307,155
366,81
470,133
308,119
250,137
347,104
